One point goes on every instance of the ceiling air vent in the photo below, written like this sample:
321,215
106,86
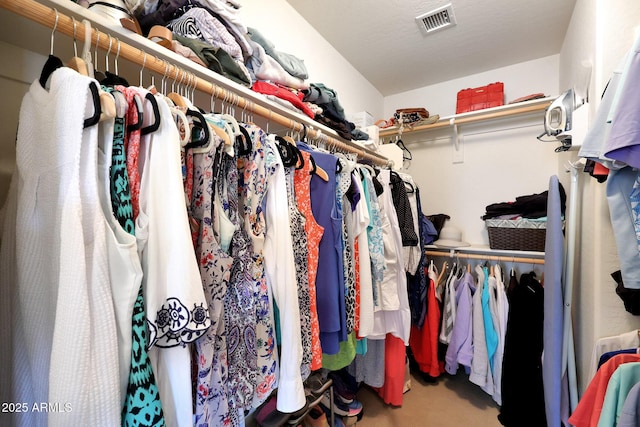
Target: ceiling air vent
437,19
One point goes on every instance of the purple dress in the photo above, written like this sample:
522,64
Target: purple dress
330,278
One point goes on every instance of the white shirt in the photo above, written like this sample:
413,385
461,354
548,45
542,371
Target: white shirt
172,285
281,276
395,317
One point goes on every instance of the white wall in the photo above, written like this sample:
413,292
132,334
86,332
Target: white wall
601,31
529,77
502,159
279,22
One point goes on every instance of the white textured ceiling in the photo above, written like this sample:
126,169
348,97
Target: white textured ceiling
381,40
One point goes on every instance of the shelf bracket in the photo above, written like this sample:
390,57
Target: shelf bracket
458,151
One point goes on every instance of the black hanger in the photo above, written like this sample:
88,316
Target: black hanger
300,161
243,142
111,79
52,64
313,165
410,187
200,132
406,154
156,115
288,156
95,94
140,111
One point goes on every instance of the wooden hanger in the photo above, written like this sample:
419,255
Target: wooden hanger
442,271
107,105
77,63
317,170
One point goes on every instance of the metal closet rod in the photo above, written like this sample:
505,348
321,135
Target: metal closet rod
45,15
524,260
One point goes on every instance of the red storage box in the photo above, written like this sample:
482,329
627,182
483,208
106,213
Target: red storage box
491,95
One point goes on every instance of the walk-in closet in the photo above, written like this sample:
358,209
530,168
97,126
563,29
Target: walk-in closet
296,213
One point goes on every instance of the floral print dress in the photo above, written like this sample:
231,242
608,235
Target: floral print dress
254,170
212,408
239,303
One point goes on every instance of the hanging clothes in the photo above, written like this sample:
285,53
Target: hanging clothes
522,391
142,405
374,235
412,254
301,256
587,412
499,305
211,400
314,232
362,219
255,170
394,316
279,264
424,341
330,280
177,311
53,224
460,349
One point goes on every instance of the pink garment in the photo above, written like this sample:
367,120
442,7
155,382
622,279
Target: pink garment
132,146
282,93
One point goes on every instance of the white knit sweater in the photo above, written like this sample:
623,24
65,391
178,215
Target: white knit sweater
64,347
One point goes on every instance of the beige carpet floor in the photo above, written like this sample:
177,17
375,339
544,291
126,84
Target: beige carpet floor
451,401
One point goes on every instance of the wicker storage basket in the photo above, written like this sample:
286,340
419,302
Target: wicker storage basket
519,234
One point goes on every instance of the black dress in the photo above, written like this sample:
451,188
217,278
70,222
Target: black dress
522,392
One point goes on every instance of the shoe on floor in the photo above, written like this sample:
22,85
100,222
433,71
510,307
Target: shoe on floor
342,387
341,408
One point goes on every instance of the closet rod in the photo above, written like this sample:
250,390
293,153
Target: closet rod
524,260
490,114
45,15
